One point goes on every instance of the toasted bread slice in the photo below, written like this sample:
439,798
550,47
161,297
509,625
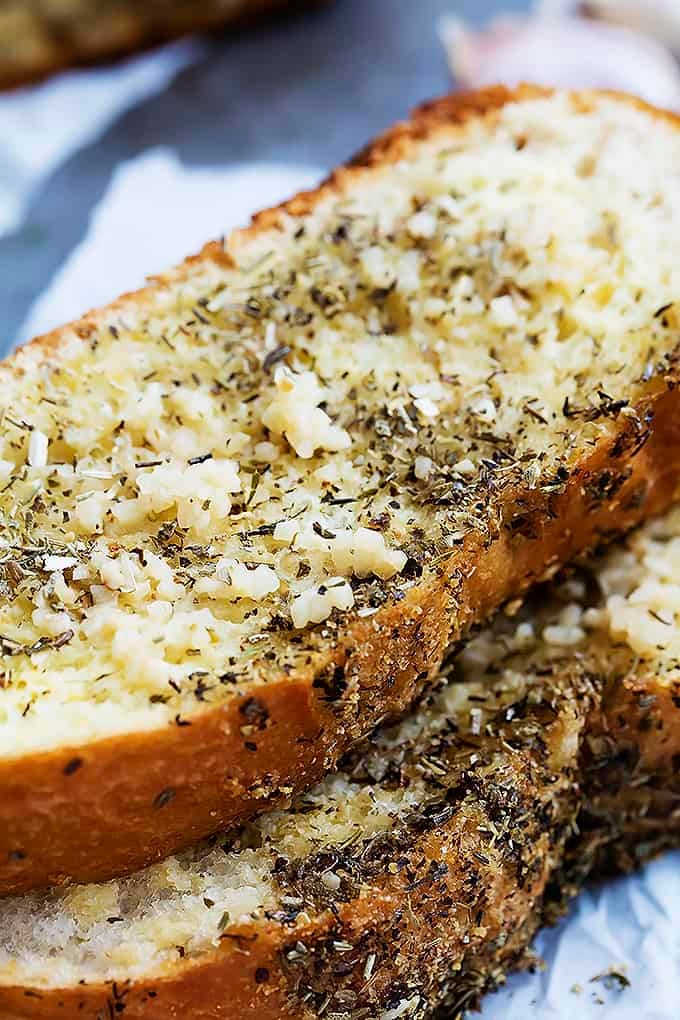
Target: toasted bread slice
245,510
419,873
39,37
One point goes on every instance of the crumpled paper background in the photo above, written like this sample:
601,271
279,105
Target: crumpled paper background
631,925
42,125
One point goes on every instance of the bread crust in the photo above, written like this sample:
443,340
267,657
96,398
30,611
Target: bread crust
110,807
449,911
134,31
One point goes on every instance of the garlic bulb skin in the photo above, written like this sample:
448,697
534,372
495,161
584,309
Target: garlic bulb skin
564,51
658,18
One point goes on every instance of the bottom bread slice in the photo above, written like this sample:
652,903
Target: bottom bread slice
418,874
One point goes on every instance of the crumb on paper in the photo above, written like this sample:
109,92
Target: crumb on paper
614,979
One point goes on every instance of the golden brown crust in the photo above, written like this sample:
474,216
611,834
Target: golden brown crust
447,905
136,798
107,808
97,38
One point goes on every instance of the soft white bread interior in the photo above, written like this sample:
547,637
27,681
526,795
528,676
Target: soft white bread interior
291,461
423,867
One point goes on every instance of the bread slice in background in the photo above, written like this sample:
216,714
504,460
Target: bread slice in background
420,872
39,37
245,510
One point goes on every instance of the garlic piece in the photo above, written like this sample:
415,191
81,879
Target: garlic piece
38,444
294,414
317,603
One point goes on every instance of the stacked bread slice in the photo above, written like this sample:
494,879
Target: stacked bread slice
246,513
418,873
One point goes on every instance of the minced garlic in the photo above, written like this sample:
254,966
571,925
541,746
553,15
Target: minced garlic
295,414
318,602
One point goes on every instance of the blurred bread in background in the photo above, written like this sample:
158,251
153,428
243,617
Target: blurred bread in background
39,37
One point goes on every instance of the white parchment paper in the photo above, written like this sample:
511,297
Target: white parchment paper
154,213
631,925
42,125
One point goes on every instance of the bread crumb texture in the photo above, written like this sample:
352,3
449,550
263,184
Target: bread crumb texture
208,476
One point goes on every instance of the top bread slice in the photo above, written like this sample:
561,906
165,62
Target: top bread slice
245,511
39,37
420,871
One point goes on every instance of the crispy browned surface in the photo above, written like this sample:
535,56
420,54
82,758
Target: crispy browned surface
45,41
449,901
89,812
